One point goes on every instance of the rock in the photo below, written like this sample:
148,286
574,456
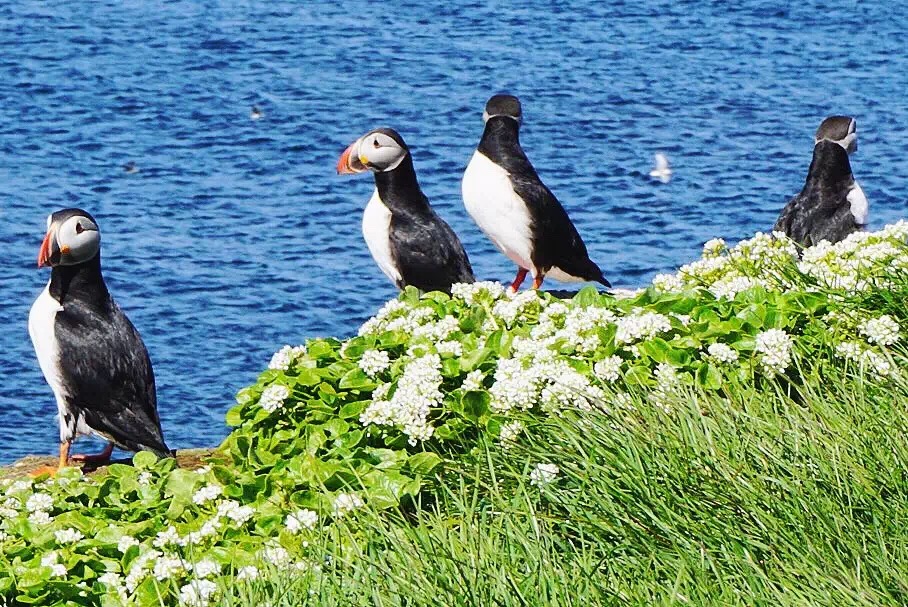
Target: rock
189,459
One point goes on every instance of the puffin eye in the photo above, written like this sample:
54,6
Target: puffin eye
79,228
375,144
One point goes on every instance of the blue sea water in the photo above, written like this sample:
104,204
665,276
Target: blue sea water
235,236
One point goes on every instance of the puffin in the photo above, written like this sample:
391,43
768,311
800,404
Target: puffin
411,244
831,205
520,215
89,352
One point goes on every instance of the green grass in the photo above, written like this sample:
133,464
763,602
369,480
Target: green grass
756,499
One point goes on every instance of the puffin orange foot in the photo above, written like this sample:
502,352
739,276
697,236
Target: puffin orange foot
95,458
52,470
521,276
537,282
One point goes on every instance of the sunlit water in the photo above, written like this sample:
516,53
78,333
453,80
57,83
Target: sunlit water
235,236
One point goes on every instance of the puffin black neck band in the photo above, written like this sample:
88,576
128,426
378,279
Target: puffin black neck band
81,281
399,189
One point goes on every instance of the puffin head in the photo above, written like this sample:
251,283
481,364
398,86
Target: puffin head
503,105
839,129
72,238
379,151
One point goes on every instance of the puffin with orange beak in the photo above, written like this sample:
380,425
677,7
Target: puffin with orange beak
91,355
408,240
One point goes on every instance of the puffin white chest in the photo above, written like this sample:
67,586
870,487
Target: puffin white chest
858,203
377,232
41,321
496,208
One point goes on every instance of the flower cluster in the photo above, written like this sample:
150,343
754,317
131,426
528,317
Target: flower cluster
273,397
544,474
285,357
774,350
417,392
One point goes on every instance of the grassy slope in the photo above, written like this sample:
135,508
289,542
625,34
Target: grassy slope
754,500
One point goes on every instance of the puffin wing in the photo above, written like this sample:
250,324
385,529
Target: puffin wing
108,376
428,253
557,243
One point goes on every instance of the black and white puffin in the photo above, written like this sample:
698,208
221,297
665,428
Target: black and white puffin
507,200
408,240
91,355
832,205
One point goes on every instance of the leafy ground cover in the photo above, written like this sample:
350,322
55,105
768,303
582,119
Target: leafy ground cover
733,434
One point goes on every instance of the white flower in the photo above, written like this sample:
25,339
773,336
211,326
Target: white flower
301,519
144,479
473,380
564,387
39,518
273,397
168,537
39,502
276,555
207,493
714,247
203,470
234,511
883,331
249,572
877,363
449,348
284,357
138,570
722,353
68,536
126,542
509,432
515,386
111,578
345,503
774,349
416,394
51,559
208,529
470,292
206,568
543,474
18,487
167,567
609,368
198,593
849,350
668,283
641,325
374,362
731,286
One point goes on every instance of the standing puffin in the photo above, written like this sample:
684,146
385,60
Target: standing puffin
832,205
91,355
507,200
408,240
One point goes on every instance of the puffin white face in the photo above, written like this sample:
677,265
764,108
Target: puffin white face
839,129
380,150
72,238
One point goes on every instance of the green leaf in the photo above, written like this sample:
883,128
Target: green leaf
709,376
475,404
234,416
144,460
586,297
356,379
423,463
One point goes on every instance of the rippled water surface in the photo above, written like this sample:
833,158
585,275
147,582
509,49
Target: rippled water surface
235,236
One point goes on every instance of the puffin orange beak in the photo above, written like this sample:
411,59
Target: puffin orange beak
50,250
44,252
349,162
